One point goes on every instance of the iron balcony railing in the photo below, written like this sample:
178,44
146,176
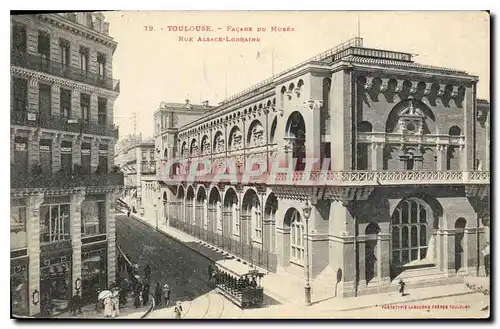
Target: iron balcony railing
338,178
56,122
38,63
63,180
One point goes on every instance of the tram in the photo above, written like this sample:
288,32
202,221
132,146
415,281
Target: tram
239,283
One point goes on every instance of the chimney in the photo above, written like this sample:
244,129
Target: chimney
205,103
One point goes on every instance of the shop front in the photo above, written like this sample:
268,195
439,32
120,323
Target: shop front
55,278
94,271
19,286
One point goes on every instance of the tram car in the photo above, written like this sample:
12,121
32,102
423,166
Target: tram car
239,283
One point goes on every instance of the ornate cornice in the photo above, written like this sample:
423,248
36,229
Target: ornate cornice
62,82
78,29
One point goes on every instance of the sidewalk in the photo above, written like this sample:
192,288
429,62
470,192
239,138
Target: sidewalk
292,292
128,312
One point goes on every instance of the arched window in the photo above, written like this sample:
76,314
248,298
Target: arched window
297,239
409,232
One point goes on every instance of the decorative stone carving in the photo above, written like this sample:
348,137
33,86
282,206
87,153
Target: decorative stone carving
411,120
236,143
205,146
257,135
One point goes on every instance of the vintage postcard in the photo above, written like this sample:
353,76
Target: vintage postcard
250,165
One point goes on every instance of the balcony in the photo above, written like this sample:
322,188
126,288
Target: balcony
56,122
340,178
37,63
62,180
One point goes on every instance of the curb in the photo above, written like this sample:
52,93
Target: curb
151,308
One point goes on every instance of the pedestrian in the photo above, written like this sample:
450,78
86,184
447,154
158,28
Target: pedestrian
166,294
128,213
76,303
178,310
210,271
116,302
158,294
108,307
145,293
147,272
402,287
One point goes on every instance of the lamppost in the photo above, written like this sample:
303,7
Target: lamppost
307,286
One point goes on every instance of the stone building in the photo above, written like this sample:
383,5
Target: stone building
136,159
400,186
63,182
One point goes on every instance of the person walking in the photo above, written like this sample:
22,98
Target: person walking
147,272
166,294
158,294
178,310
402,287
76,303
145,293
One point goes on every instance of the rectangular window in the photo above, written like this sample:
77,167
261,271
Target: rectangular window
101,64
46,156
84,59
85,107
86,161
18,228
19,38
44,46
66,157
20,155
144,156
65,103
93,218
64,52
54,223
44,101
20,93
102,110
103,159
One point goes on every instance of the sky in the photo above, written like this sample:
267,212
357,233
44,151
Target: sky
154,66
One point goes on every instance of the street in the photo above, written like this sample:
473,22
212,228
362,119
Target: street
170,261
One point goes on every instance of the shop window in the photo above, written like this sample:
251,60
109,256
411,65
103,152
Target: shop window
55,285
54,223
19,290
94,274
93,218
18,228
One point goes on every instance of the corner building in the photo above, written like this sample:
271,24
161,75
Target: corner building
63,182
405,193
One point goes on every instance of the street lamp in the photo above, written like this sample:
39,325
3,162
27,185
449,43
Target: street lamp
156,215
307,286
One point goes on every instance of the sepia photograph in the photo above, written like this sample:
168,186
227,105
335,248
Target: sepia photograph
178,165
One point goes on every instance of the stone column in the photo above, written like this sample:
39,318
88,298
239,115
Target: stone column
55,101
75,104
77,151
33,149
33,239
377,156
33,96
93,108
383,258
449,251
442,153
56,153
205,214
361,260
76,235
110,230
282,239
94,154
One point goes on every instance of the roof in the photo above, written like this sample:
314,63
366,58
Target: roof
405,64
233,266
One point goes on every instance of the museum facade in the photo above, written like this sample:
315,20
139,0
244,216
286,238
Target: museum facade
402,191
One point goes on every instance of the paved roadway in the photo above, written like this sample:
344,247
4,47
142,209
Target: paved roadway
170,261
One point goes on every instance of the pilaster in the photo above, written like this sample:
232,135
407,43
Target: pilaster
111,234
442,151
76,235
94,154
56,153
33,95
75,104
56,100
93,108
33,239
111,155
34,148
377,156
